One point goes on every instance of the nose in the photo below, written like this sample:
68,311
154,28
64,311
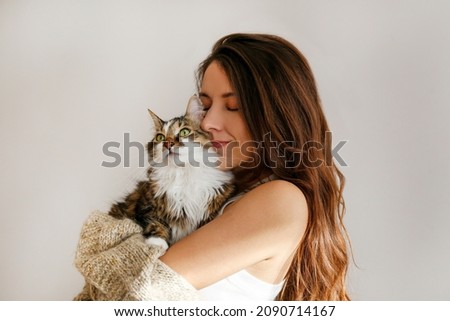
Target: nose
169,143
212,121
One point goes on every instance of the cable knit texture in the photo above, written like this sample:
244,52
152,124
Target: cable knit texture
117,264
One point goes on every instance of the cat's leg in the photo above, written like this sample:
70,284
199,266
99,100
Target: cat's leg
157,233
157,241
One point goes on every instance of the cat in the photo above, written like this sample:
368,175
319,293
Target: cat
182,191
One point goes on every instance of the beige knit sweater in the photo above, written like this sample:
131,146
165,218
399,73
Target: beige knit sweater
117,264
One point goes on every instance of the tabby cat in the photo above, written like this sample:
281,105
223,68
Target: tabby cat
182,191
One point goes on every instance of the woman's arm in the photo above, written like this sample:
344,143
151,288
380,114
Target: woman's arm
263,227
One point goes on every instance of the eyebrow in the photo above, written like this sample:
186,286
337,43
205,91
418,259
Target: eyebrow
225,95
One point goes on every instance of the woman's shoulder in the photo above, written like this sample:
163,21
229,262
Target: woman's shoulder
277,193
279,186
278,201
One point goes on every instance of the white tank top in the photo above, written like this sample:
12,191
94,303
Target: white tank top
241,286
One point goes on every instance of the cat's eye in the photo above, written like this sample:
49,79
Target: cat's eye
160,138
184,132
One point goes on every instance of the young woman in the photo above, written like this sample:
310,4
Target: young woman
289,230
283,236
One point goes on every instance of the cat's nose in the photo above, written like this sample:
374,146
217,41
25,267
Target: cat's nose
169,143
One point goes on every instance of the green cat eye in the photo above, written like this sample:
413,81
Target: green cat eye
160,138
184,132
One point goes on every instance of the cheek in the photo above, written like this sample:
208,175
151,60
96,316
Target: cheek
193,142
242,131
190,146
154,150
203,140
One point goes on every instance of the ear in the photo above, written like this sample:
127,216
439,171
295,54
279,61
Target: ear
158,121
195,110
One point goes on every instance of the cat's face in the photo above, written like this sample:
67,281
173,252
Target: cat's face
180,141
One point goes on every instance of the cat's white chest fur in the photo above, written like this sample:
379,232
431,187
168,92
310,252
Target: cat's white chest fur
189,190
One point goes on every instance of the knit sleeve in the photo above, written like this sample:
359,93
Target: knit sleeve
117,264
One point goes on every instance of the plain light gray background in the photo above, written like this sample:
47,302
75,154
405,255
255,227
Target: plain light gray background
77,74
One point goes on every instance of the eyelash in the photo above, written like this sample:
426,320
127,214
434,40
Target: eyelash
205,109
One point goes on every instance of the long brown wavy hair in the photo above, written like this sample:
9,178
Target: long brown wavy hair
277,94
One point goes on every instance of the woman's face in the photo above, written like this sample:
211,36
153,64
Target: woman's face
224,120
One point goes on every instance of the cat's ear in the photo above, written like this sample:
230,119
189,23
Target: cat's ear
158,121
195,110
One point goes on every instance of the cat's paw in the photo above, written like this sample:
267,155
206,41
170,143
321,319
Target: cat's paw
157,241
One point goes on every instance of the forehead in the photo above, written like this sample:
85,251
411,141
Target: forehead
215,80
173,126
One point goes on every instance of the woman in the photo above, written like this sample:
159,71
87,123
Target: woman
283,236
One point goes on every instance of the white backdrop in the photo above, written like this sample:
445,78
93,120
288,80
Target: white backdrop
77,74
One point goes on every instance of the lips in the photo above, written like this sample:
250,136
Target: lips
219,145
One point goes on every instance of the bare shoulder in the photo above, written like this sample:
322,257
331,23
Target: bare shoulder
276,211
280,189
281,200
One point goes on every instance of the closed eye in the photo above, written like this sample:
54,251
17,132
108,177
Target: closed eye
229,101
